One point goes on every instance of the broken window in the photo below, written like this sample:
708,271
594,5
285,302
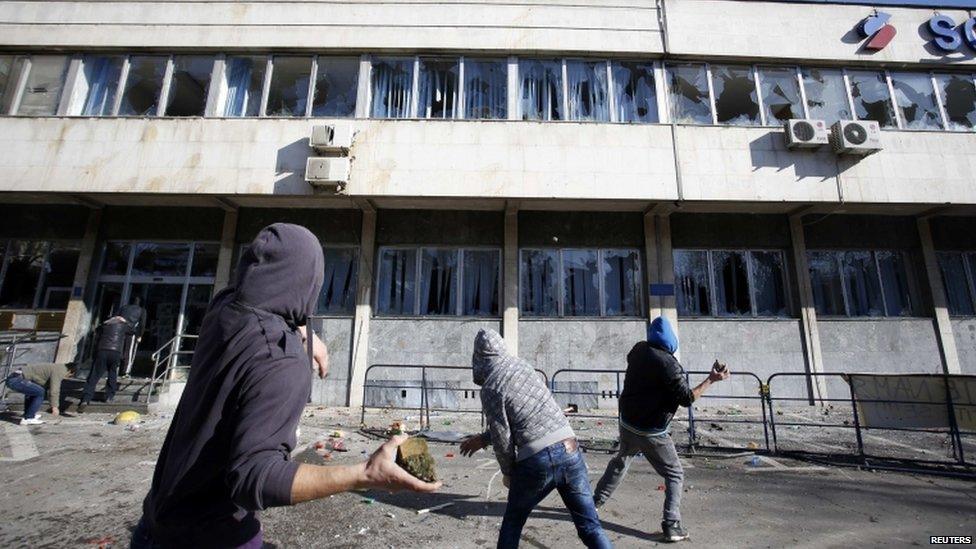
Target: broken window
58,276
872,101
916,101
338,295
957,278
438,93
895,284
731,276
288,92
769,283
828,296
9,75
392,87
958,94
691,282
189,86
245,84
438,281
45,80
736,99
481,282
826,95
99,82
541,89
336,87
622,282
688,91
581,291
587,88
485,89
539,284
397,281
780,94
140,97
37,274
861,283
635,97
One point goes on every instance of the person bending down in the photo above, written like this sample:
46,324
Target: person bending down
533,442
654,387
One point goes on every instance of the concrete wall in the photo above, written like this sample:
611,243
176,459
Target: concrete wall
580,26
964,330
889,345
337,335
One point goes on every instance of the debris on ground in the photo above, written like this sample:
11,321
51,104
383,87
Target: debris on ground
753,445
414,456
434,508
716,426
126,417
337,434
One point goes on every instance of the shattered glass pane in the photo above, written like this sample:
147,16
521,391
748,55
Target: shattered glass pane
336,86
731,284
438,88
189,86
869,91
45,80
860,276
539,282
688,90
581,290
588,98
691,282
828,297
392,87
9,72
338,295
959,97
541,89
396,284
958,292
916,101
143,86
736,100
438,281
485,89
826,95
634,92
768,278
288,93
481,282
621,282
894,281
780,94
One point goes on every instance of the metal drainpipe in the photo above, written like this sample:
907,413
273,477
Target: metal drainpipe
662,18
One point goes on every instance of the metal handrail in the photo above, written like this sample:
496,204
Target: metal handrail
10,352
168,360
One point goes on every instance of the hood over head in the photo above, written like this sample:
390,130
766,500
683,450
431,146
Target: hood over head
489,353
281,272
661,335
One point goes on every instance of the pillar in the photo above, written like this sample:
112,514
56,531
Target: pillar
364,308
226,253
943,327
77,315
510,282
659,259
813,356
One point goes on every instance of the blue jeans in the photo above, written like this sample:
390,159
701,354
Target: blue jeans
33,394
534,478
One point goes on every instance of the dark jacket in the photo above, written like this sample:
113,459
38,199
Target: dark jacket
227,452
655,383
113,334
136,316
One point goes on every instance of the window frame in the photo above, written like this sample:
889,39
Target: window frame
750,276
968,271
459,298
910,277
601,275
49,245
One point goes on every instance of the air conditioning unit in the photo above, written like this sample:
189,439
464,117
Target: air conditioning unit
327,171
856,137
331,137
806,134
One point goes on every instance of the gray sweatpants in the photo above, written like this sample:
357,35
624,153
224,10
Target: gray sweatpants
660,453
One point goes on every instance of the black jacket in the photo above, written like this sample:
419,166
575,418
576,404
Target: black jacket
113,334
654,387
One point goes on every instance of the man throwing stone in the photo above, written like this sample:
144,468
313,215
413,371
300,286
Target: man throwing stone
654,387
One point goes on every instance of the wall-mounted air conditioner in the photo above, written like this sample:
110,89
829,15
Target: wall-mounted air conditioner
331,137
327,172
806,134
856,137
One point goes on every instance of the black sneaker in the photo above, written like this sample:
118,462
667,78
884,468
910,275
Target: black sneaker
81,407
673,531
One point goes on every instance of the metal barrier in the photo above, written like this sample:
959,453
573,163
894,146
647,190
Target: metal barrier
9,345
424,408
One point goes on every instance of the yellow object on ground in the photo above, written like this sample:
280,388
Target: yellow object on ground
126,417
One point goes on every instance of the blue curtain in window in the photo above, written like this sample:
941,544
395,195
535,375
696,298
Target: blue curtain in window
102,74
238,86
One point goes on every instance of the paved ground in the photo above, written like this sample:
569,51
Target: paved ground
79,481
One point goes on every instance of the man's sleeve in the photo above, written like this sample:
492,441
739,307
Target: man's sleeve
678,384
54,392
261,473
498,430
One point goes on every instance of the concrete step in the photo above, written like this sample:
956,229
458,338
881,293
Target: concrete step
130,396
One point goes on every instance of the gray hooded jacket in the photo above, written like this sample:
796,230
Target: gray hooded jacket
523,418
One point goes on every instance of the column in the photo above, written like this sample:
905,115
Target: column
660,267
226,253
813,357
943,327
364,308
510,280
77,315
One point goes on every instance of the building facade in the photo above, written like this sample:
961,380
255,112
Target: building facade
561,172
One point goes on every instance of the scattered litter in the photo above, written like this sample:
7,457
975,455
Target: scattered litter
132,427
434,508
446,422
449,454
443,436
337,434
126,417
660,488
151,463
599,423
368,501
795,427
753,446
754,462
873,519
105,542
390,515
363,530
716,426
571,409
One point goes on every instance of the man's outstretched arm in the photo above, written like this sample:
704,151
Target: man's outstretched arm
380,471
719,373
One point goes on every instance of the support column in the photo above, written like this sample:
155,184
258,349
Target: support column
226,253
364,307
943,326
77,315
808,314
510,280
660,266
